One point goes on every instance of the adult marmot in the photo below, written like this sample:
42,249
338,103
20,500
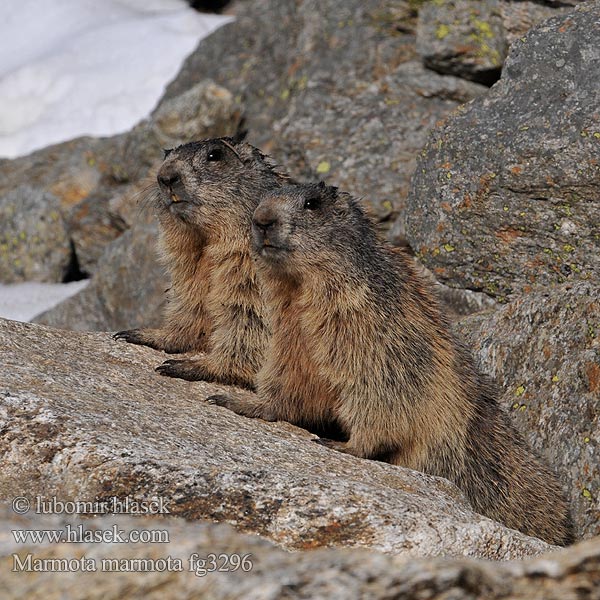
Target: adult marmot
358,340
206,194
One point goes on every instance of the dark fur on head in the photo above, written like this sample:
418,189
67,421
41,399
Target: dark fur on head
198,180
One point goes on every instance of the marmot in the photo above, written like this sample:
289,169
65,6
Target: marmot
358,339
206,194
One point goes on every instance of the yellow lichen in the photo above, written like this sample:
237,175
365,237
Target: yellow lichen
323,167
442,31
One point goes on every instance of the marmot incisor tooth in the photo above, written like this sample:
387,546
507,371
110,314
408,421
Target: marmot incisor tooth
207,193
358,339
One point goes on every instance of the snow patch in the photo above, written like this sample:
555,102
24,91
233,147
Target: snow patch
24,301
83,67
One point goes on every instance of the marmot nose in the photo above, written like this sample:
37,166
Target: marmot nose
264,219
167,177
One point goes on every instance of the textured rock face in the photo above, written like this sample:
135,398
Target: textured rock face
544,349
336,574
339,89
128,289
367,142
505,194
84,417
34,244
463,37
470,38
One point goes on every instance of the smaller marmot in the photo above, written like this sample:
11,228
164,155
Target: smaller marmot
358,340
206,194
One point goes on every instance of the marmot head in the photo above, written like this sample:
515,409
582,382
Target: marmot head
304,229
214,183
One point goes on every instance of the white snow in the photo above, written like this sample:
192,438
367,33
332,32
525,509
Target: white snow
23,301
83,67
88,67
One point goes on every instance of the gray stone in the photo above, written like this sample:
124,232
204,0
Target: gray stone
127,290
463,37
519,16
270,573
505,194
34,242
367,142
92,226
84,417
470,38
544,349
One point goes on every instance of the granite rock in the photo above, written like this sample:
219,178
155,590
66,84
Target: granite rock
127,290
84,417
463,38
505,194
544,350
34,242
266,572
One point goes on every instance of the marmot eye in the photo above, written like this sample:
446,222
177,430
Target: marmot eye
214,155
312,203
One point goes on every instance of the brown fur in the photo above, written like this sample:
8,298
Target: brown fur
358,340
205,197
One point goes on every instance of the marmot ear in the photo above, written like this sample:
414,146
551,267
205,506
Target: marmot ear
239,136
166,152
332,193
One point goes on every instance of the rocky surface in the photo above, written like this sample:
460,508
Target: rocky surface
128,289
505,194
337,96
84,417
273,573
544,349
34,243
97,181
366,140
470,38
463,37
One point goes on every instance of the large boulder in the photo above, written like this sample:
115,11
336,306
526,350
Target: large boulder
463,37
544,349
84,417
470,38
505,194
252,568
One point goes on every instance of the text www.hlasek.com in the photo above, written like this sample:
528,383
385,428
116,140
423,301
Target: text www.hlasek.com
79,534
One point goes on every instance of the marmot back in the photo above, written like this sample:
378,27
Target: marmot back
205,195
358,340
